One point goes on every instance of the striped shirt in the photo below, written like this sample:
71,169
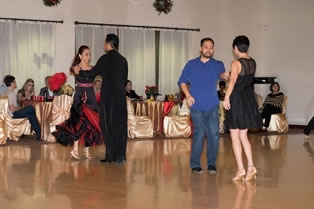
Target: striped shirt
275,100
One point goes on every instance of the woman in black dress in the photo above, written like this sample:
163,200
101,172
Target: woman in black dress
241,106
129,92
83,125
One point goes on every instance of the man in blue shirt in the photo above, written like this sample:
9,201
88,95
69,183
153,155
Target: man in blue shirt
202,75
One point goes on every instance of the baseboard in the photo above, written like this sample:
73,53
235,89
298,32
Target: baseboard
297,126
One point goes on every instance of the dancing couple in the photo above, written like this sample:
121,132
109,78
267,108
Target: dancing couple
89,123
202,74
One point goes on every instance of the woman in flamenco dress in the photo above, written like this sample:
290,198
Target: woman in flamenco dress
82,127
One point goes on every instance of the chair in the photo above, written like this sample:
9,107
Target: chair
278,122
222,114
61,107
178,126
11,128
138,126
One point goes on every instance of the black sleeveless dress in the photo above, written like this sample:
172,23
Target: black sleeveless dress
243,113
83,123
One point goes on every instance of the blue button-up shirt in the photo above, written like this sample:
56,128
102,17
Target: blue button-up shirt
203,78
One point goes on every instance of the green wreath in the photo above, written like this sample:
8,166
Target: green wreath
164,6
52,3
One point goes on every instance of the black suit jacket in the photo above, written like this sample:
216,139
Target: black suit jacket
44,91
114,70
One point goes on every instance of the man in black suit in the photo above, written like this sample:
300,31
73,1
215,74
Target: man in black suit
46,92
113,113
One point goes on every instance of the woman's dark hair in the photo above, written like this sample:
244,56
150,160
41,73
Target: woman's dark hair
77,59
207,39
8,79
242,42
272,84
128,81
113,39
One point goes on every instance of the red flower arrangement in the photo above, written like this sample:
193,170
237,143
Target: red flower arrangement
56,81
52,3
151,90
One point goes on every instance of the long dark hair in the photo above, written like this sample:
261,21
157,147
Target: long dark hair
77,59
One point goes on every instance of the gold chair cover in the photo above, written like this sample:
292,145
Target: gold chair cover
138,126
185,110
13,129
177,126
153,110
3,132
278,122
222,114
61,107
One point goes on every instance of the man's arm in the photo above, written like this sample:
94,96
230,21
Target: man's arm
96,70
184,79
12,108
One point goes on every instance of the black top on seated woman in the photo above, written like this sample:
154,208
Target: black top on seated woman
129,92
273,103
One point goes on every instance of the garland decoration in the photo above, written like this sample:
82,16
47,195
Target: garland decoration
52,3
164,6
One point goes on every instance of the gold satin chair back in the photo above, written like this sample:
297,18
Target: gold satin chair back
13,128
61,109
138,126
178,126
3,132
278,122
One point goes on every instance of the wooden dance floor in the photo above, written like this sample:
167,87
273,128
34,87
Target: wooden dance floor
157,176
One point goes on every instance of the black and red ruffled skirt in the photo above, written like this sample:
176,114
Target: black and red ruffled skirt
83,125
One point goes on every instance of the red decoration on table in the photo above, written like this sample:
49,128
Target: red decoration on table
51,3
151,90
56,81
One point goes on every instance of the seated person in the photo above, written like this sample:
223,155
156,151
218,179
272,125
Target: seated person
222,90
15,111
129,92
46,92
3,88
97,87
273,103
26,92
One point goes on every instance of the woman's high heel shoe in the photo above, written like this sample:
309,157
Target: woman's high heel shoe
73,154
252,175
87,154
239,176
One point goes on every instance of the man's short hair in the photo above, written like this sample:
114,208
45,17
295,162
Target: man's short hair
207,39
8,79
113,39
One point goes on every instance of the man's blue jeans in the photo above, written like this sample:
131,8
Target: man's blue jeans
205,123
29,113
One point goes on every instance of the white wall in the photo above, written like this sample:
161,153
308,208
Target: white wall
284,50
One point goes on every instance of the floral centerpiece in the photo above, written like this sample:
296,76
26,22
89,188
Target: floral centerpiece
151,91
52,3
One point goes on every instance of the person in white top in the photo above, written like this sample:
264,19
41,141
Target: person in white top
15,111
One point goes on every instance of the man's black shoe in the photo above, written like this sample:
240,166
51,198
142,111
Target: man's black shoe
197,170
212,169
104,161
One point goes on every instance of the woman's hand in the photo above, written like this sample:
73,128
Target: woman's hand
226,103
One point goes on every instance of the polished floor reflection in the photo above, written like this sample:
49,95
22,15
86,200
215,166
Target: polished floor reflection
157,175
